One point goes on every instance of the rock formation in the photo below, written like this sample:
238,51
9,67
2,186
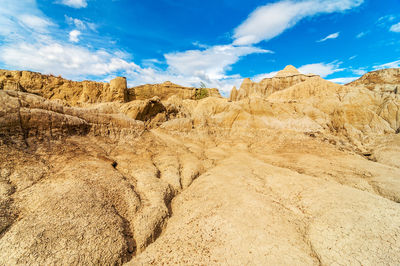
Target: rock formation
282,80
165,91
233,95
79,93
292,170
385,80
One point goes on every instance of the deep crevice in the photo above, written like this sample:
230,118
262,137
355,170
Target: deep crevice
128,236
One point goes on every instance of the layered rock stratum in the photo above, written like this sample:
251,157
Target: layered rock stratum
293,170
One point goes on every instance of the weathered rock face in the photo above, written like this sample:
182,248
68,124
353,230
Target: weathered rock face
170,180
69,92
27,118
385,80
282,80
80,93
165,90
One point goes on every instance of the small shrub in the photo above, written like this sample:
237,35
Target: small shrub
201,92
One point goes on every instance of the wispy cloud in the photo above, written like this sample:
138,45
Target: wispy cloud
361,34
269,21
321,69
343,80
330,36
394,64
258,78
382,21
395,27
80,24
73,3
359,72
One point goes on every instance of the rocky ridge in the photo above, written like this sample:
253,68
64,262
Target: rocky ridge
293,170
284,79
385,80
89,92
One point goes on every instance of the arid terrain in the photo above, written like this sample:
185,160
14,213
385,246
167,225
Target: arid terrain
293,170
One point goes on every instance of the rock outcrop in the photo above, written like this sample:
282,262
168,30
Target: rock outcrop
88,92
233,95
67,91
282,80
173,180
384,80
165,90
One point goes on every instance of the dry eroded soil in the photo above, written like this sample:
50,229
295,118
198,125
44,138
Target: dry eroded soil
200,198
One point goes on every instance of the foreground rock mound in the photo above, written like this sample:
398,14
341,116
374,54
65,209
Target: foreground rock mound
297,170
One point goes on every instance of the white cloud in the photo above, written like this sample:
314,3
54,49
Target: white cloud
34,22
331,36
58,58
361,34
382,21
270,20
259,77
74,35
211,63
395,27
19,18
320,69
80,24
395,64
359,72
343,80
74,3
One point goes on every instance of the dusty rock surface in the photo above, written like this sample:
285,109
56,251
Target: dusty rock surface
298,171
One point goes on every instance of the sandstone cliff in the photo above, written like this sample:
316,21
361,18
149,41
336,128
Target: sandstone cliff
302,171
79,93
57,88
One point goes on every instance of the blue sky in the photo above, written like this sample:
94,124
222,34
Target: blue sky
217,42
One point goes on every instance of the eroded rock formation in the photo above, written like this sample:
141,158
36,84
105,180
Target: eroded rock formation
385,80
80,93
294,170
165,90
283,79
